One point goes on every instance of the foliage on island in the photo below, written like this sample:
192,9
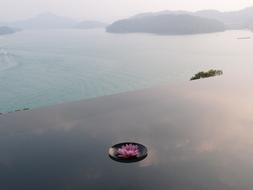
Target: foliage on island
167,24
210,73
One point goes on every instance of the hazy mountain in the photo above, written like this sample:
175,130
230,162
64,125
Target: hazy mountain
241,19
45,21
234,20
7,30
90,25
174,24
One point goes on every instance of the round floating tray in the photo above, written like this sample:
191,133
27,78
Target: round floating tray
113,153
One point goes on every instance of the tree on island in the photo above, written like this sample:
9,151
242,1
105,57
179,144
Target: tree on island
210,73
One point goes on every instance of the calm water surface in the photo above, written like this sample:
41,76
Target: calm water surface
198,135
40,68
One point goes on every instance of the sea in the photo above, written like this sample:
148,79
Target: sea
39,68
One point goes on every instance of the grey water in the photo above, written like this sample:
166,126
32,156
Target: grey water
41,68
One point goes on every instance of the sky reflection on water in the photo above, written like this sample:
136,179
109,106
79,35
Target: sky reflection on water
199,136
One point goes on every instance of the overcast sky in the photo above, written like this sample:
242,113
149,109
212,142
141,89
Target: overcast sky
108,10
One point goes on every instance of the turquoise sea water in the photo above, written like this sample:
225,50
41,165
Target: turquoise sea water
40,68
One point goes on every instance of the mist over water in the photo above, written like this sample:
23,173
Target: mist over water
40,68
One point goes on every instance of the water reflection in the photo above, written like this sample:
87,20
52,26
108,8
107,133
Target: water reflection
199,136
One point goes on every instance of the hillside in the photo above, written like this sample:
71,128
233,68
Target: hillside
45,21
167,24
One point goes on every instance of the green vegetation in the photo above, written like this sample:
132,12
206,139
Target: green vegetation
210,73
168,24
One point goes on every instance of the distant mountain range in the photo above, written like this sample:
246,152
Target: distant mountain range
242,19
52,21
233,20
185,22
163,22
44,21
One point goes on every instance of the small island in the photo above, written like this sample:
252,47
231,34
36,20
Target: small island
4,30
210,73
167,25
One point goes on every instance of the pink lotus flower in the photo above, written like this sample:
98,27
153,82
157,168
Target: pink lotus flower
128,151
